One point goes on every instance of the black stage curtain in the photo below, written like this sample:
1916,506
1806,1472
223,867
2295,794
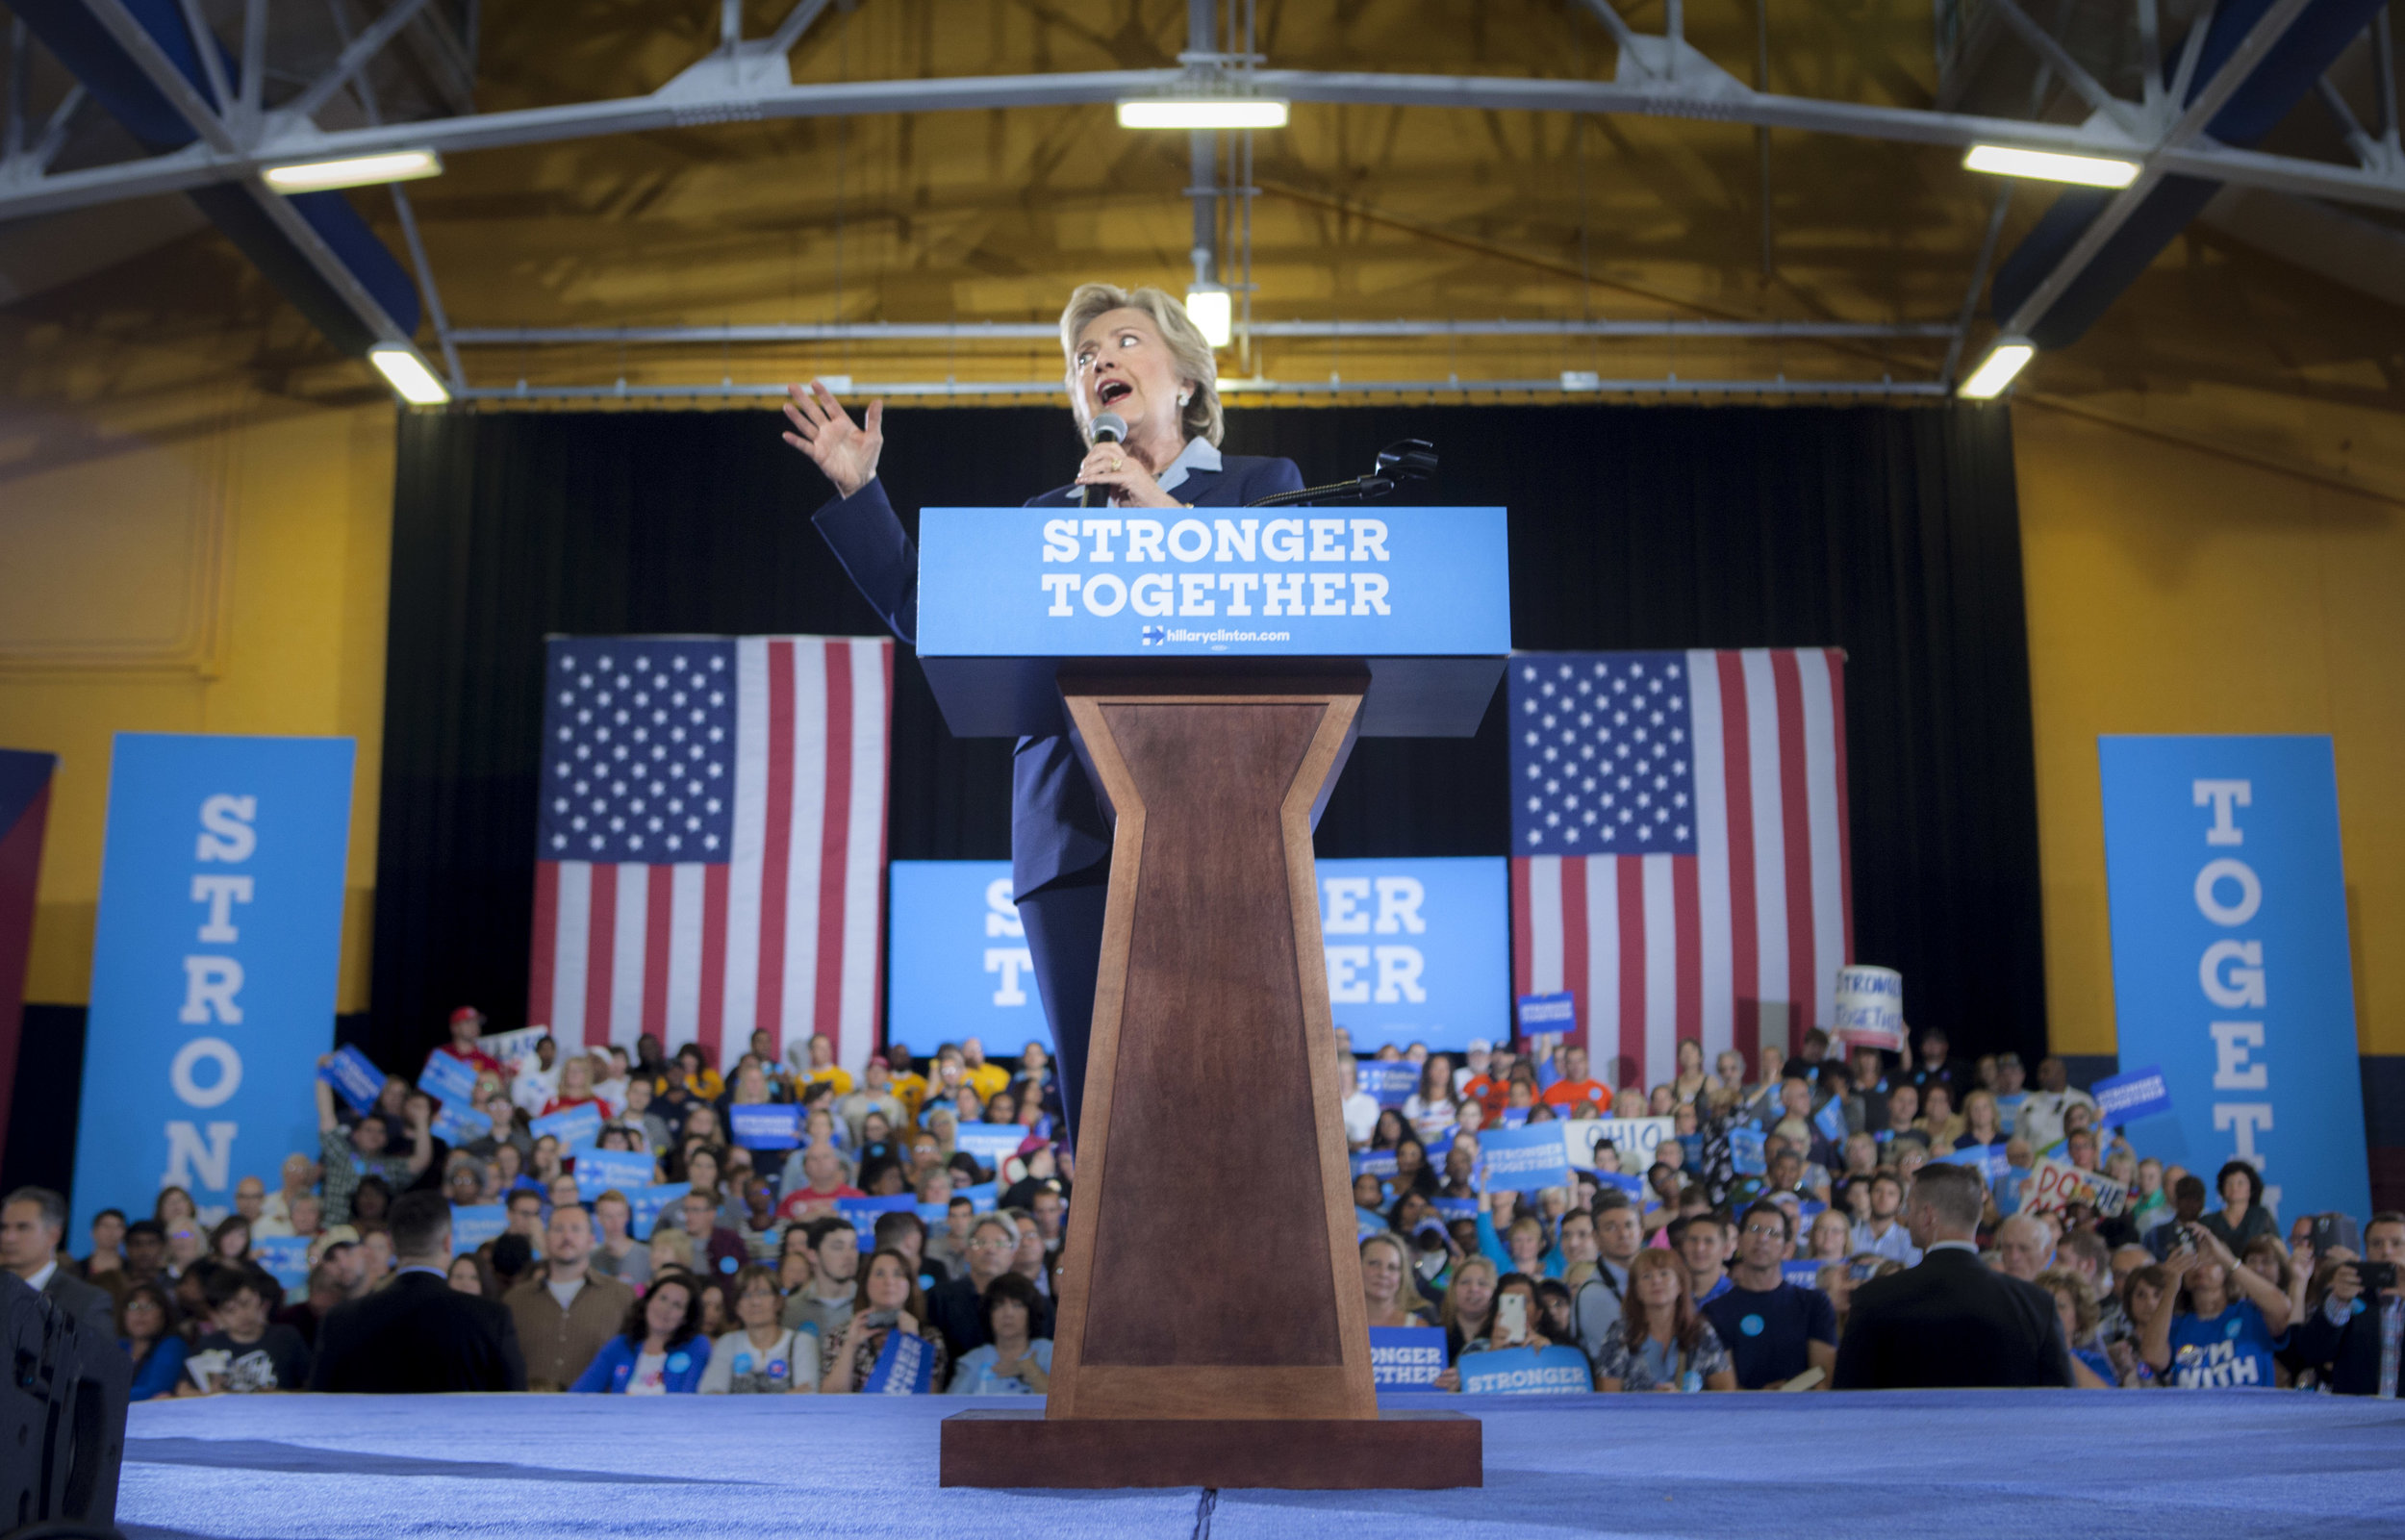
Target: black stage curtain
1892,534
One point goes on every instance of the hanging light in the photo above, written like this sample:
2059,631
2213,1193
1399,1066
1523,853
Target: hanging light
2004,360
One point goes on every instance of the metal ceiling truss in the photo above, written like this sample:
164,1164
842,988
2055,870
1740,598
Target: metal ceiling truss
750,80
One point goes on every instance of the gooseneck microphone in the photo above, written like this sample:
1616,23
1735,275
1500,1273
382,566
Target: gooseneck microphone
1108,427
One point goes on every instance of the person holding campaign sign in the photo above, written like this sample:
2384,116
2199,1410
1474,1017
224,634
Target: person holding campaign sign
350,1155
1663,1342
1139,358
888,1348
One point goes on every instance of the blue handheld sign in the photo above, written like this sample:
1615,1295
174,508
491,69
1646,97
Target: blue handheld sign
765,1126
473,1224
1406,1358
648,1204
1525,1159
597,1171
457,1126
214,963
990,1144
1527,1371
2124,1099
446,1079
2230,962
286,1257
355,1078
575,1129
1389,1083
1374,1163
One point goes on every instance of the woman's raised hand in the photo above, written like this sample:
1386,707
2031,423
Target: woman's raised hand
846,451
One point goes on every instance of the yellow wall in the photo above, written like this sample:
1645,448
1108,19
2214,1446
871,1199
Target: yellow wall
2174,588
211,571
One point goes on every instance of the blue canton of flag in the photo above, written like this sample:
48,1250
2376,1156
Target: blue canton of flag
1602,756
639,751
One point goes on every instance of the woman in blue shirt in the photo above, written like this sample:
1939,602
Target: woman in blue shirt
2219,1324
1012,1364
659,1351
157,1352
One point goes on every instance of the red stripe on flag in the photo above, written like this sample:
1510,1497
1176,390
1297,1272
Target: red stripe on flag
1796,813
1522,966
659,909
1834,661
1575,960
601,946
540,982
777,853
710,1031
1688,907
834,843
1629,870
1744,954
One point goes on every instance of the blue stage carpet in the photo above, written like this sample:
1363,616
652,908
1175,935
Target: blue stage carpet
2043,1464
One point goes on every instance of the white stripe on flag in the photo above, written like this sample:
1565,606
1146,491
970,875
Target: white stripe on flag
1820,800
684,950
1662,970
742,876
1545,931
573,933
808,832
1600,990
634,895
1714,943
1770,845
864,850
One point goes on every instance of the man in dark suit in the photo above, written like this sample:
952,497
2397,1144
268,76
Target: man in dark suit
32,1222
1950,1322
1138,356
418,1334
2357,1340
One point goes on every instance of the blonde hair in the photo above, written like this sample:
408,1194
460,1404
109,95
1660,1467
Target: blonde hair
1197,365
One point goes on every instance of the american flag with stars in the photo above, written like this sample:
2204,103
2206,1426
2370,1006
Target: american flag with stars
711,849
1679,847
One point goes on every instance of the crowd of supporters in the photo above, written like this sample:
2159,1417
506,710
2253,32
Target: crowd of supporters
1725,1256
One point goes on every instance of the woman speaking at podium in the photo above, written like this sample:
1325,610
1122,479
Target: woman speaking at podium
1136,357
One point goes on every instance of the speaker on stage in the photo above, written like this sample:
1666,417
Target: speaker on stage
61,1418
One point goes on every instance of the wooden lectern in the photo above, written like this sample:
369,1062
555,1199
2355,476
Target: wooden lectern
1211,1327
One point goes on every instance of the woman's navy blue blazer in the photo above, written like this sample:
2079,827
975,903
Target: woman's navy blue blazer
1056,827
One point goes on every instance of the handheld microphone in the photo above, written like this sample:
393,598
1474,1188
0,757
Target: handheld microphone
1108,427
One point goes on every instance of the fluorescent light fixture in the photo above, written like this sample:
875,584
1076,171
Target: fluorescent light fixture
355,171
409,375
1213,310
1203,112
1996,370
2046,165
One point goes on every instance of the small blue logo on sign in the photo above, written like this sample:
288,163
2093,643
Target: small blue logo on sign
1155,636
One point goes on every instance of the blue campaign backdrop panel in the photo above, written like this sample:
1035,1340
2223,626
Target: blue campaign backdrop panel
1045,582
2230,967
1418,951
213,964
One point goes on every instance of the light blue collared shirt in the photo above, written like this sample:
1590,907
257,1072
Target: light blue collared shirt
1198,454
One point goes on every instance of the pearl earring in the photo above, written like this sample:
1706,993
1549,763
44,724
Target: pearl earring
1183,397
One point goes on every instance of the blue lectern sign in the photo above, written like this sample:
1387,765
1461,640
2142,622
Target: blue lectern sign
1307,582
1419,596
